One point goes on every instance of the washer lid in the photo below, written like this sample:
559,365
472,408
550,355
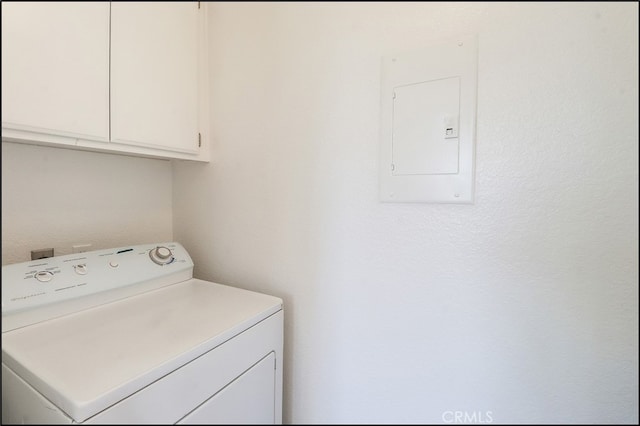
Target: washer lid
87,361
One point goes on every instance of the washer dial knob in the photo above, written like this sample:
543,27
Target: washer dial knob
80,269
44,276
161,255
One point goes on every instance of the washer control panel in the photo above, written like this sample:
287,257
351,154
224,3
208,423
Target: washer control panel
90,278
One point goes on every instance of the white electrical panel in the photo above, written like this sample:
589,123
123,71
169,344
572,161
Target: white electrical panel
428,123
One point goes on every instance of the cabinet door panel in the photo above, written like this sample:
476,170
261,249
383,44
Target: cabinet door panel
55,68
154,74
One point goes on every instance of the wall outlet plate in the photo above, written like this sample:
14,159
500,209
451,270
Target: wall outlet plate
41,253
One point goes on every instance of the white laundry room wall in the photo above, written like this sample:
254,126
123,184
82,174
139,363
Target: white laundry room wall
519,308
57,198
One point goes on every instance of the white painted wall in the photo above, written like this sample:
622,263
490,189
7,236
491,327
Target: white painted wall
519,308
54,197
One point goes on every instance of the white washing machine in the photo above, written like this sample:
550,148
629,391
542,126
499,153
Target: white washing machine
127,335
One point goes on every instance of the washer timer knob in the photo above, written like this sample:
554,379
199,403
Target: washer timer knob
161,255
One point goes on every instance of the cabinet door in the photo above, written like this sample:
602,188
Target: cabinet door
154,74
55,68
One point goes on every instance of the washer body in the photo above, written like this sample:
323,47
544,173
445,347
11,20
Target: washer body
172,350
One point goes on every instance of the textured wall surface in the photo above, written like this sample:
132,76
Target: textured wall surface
520,308
54,197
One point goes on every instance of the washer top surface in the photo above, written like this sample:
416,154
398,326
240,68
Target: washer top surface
86,361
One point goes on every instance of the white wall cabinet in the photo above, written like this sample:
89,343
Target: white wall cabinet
121,77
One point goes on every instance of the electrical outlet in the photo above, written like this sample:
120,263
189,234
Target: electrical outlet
80,248
41,253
